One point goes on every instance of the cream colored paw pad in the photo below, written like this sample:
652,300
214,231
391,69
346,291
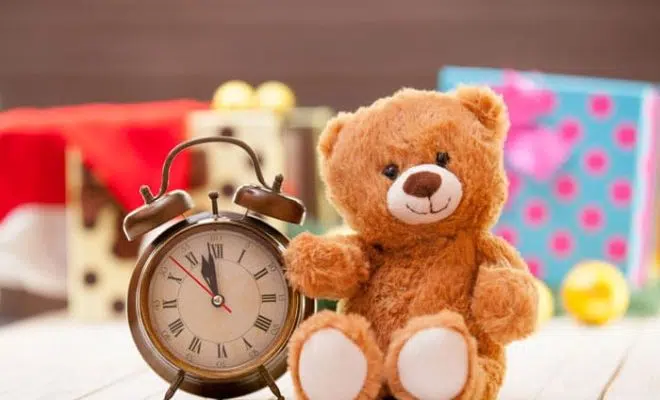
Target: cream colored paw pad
433,364
331,366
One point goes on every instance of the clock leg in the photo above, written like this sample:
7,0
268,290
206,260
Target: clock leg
335,357
175,385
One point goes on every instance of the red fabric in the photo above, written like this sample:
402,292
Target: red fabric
125,145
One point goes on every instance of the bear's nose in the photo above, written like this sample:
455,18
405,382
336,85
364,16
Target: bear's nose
422,184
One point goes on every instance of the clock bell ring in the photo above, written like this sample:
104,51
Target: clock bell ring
209,307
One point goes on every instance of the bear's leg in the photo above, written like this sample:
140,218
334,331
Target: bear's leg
335,357
435,357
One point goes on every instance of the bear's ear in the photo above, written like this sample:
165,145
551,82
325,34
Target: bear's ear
331,133
488,107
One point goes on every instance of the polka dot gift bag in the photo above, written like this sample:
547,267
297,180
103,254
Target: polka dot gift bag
581,160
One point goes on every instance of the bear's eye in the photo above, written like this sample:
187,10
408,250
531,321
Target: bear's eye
442,159
391,171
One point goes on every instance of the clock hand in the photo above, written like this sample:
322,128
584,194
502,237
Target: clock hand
214,280
199,283
215,273
208,272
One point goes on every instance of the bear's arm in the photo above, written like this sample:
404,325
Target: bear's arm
505,300
331,267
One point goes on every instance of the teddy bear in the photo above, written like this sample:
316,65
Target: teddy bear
429,296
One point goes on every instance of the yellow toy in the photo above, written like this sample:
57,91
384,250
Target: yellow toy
233,95
275,96
595,292
546,308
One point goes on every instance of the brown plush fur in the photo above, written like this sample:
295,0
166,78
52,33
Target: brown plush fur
401,277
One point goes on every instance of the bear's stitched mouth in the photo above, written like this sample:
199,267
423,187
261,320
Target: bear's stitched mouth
431,210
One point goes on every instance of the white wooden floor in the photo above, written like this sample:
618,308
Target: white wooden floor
55,358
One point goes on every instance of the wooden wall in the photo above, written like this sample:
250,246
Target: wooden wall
341,53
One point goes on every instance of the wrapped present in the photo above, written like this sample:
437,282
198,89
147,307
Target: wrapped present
71,173
302,128
103,187
284,143
581,160
32,215
225,168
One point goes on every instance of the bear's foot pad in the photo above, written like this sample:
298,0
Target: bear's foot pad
324,375
433,364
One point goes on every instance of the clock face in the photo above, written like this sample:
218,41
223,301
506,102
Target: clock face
218,298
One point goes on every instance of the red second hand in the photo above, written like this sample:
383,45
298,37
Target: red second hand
199,283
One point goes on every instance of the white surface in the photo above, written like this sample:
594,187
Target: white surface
55,358
639,377
326,376
426,210
33,249
433,364
587,369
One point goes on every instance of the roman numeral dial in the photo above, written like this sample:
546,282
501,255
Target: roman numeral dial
215,249
268,298
261,273
262,323
169,303
176,327
195,345
222,351
191,281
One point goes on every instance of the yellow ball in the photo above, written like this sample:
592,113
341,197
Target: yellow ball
546,305
595,292
233,95
275,96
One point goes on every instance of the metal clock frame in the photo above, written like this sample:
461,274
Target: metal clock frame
236,381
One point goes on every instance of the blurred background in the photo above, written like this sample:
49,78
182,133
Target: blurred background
341,53
95,93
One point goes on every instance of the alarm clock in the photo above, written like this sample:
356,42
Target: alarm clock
209,306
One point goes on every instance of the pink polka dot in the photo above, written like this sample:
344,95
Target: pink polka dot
625,136
600,105
591,218
621,192
536,212
535,267
570,130
514,183
565,188
561,244
596,161
547,101
509,234
616,249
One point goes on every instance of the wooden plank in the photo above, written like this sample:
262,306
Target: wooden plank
639,377
55,358
148,385
145,384
74,360
533,362
596,355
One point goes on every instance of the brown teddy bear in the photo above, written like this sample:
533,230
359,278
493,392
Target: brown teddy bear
430,296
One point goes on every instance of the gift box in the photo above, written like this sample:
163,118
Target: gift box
284,143
69,176
102,187
302,129
581,161
228,167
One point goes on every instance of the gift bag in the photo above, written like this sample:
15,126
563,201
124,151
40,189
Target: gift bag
581,161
